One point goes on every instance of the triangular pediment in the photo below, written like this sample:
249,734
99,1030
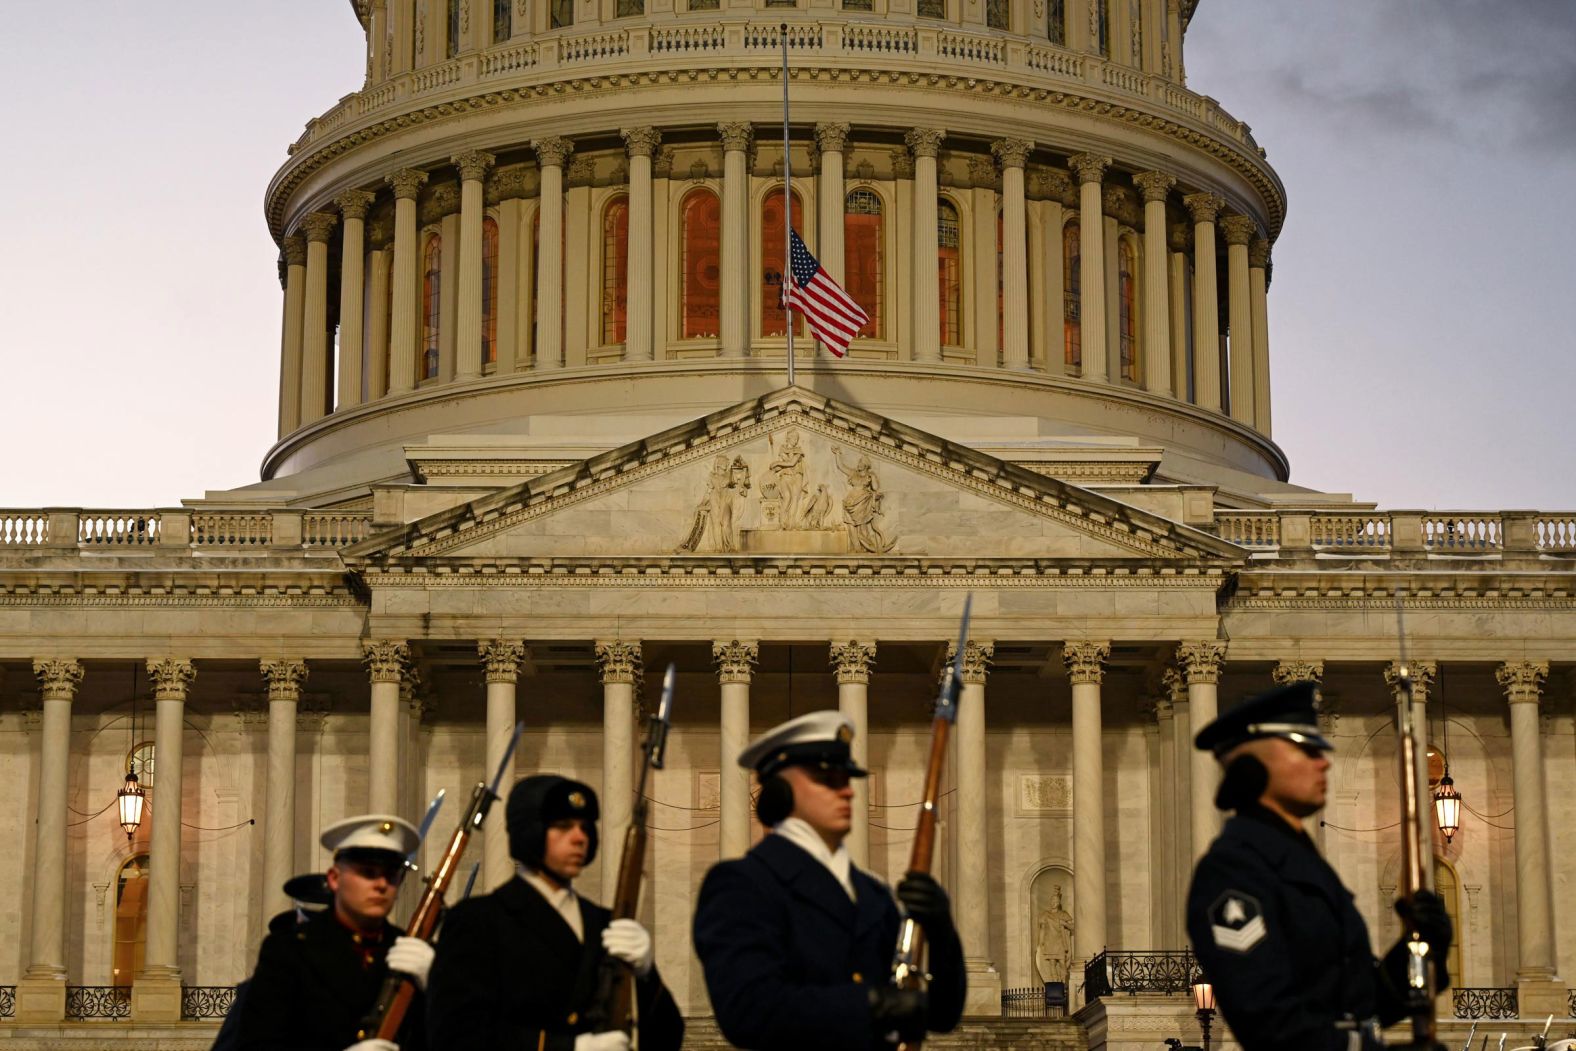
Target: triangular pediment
794,475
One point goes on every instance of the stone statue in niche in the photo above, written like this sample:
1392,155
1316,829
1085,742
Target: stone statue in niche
862,505
714,528
1053,940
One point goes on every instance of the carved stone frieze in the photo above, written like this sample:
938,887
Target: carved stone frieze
852,660
1118,203
662,163
507,183
982,172
581,172
735,659
58,678
444,200
902,164
1085,660
1288,672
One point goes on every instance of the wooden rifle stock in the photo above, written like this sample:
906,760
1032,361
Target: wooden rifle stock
1416,869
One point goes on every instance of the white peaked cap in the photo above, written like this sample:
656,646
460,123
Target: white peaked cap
816,738
371,832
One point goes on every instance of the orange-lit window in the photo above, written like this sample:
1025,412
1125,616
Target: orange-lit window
615,270
131,919
1072,288
1001,316
862,260
489,290
431,298
1127,291
774,250
950,273
701,290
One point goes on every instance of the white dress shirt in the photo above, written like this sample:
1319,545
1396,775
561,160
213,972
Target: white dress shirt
797,831
563,899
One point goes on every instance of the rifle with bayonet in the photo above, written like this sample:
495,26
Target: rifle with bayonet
908,970
388,1011
613,1006
1417,872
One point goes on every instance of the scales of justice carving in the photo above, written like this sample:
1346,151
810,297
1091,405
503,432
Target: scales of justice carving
793,510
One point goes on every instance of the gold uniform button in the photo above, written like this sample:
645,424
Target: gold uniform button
858,978
574,1016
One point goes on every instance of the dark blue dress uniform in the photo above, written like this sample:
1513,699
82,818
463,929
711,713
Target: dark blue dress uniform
789,958
1278,935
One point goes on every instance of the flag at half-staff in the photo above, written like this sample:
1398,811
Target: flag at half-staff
833,315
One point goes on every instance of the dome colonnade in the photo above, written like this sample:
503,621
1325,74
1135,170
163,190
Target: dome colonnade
508,207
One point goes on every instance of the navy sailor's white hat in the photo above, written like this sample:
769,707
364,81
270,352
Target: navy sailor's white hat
815,739
371,833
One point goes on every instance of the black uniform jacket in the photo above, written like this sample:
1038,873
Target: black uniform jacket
511,976
311,991
789,958
1278,935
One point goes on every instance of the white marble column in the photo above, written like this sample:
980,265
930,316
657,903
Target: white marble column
156,989
1237,231
735,248
925,144
294,249
377,374
473,166
735,660
386,660
284,678
1200,663
405,301
972,893
1085,669
41,993
510,209
852,661
1179,241
1537,965
642,144
1180,786
831,138
319,227
353,205
1089,168
502,659
1258,289
1206,302
1155,188
551,154
1422,674
620,665
1013,155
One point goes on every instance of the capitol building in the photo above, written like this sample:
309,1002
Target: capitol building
537,441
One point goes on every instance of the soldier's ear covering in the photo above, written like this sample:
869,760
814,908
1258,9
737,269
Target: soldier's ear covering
775,801
1244,781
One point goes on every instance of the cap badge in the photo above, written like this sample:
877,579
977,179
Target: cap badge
577,800
387,826
845,733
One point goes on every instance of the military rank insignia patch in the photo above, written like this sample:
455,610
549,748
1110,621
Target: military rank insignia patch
1237,921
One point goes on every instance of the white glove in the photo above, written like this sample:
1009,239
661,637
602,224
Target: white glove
617,1040
628,941
411,956
373,1045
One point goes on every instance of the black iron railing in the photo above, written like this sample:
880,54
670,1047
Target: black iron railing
1121,971
200,1002
1485,1002
7,1001
1039,1001
1570,999
98,1002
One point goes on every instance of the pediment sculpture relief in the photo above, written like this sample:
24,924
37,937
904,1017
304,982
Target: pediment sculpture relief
803,505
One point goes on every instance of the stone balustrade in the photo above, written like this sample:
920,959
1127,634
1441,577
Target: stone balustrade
159,530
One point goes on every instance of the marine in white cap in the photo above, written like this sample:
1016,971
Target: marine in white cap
315,981
796,940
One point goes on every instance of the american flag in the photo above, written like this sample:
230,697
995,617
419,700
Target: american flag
833,315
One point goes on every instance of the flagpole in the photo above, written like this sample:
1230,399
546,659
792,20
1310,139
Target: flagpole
787,274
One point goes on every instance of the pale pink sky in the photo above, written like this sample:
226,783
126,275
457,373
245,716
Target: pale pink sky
1421,316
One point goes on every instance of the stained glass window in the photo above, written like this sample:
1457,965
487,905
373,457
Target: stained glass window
431,297
863,264
950,273
701,291
615,270
1072,289
454,28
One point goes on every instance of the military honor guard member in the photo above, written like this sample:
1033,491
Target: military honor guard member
317,979
796,942
517,968
1274,930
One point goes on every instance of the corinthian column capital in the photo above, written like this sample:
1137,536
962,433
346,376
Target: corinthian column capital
1258,253
473,164
852,661
735,659
406,183
619,661
319,226
354,204
501,658
1420,673
58,677
385,659
977,657
284,678
1085,660
1201,661
641,142
1522,681
1155,186
1238,229
736,134
171,676
1012,153
295,250
925,142
551,152
1203,207
831,136
1088,167
1288,672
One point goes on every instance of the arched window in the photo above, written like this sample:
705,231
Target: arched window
628,8
454,28
431,298
997,13
949,272
615,270
131,919
503,21
1072,296
489,290
1448,886
1056,22
863,272
561,13
701,289
1187,334
932,8
774,250
1127,313
1102,21
1001,303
